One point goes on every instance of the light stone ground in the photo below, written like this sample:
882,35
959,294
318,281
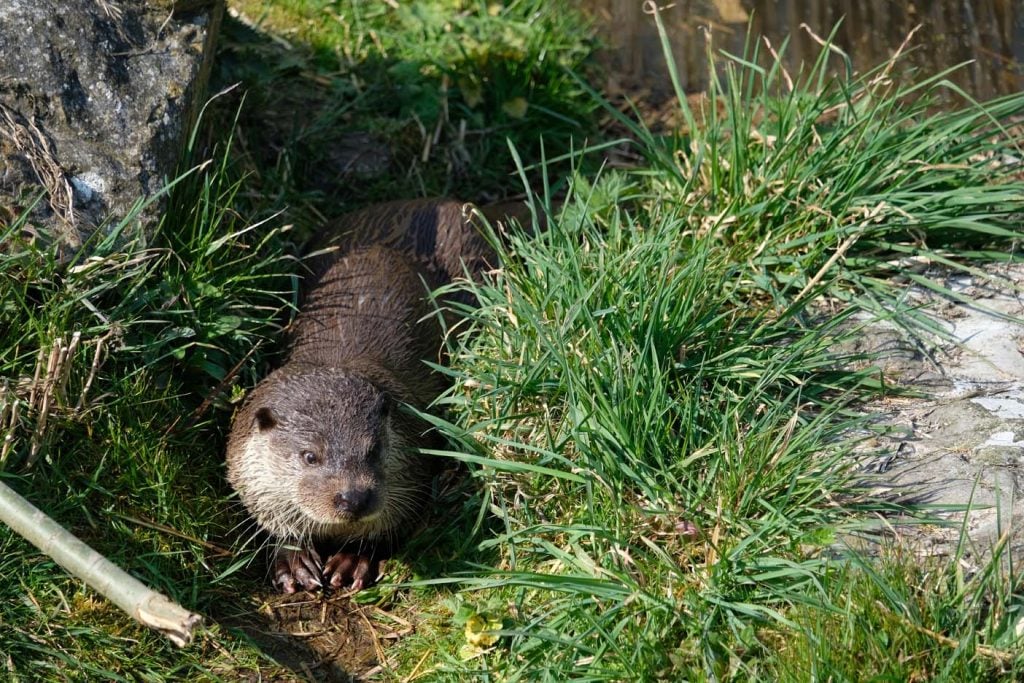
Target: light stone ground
963,443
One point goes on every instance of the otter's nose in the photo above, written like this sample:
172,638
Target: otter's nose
353,502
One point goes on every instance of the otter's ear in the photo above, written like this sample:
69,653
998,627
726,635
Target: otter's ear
265,419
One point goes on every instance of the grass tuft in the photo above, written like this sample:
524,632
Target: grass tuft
664,368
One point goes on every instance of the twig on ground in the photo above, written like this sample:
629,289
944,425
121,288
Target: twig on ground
131,595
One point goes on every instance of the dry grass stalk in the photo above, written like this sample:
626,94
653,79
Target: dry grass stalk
111,10
97,360
10,411
28,140
47,392
48,387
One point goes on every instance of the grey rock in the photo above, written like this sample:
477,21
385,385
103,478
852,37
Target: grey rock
97,98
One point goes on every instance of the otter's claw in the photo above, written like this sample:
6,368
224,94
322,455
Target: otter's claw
297,569
359,571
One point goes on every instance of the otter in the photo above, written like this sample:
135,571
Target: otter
324,453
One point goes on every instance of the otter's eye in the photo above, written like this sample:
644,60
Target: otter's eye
310,458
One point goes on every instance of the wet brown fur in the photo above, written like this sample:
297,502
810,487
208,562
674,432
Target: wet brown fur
358,344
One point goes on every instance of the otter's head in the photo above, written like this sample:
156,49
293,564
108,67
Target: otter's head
324,453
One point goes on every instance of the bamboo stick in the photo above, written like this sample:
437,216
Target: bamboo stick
131,595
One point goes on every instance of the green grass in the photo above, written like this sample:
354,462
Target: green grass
438,87
902,619
160,322
652,401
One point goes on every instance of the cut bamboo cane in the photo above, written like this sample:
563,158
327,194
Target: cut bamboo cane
139,601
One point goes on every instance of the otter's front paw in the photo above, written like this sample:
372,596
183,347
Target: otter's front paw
297,569
356,571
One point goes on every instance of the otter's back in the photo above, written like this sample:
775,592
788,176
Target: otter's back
439,233
370,310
